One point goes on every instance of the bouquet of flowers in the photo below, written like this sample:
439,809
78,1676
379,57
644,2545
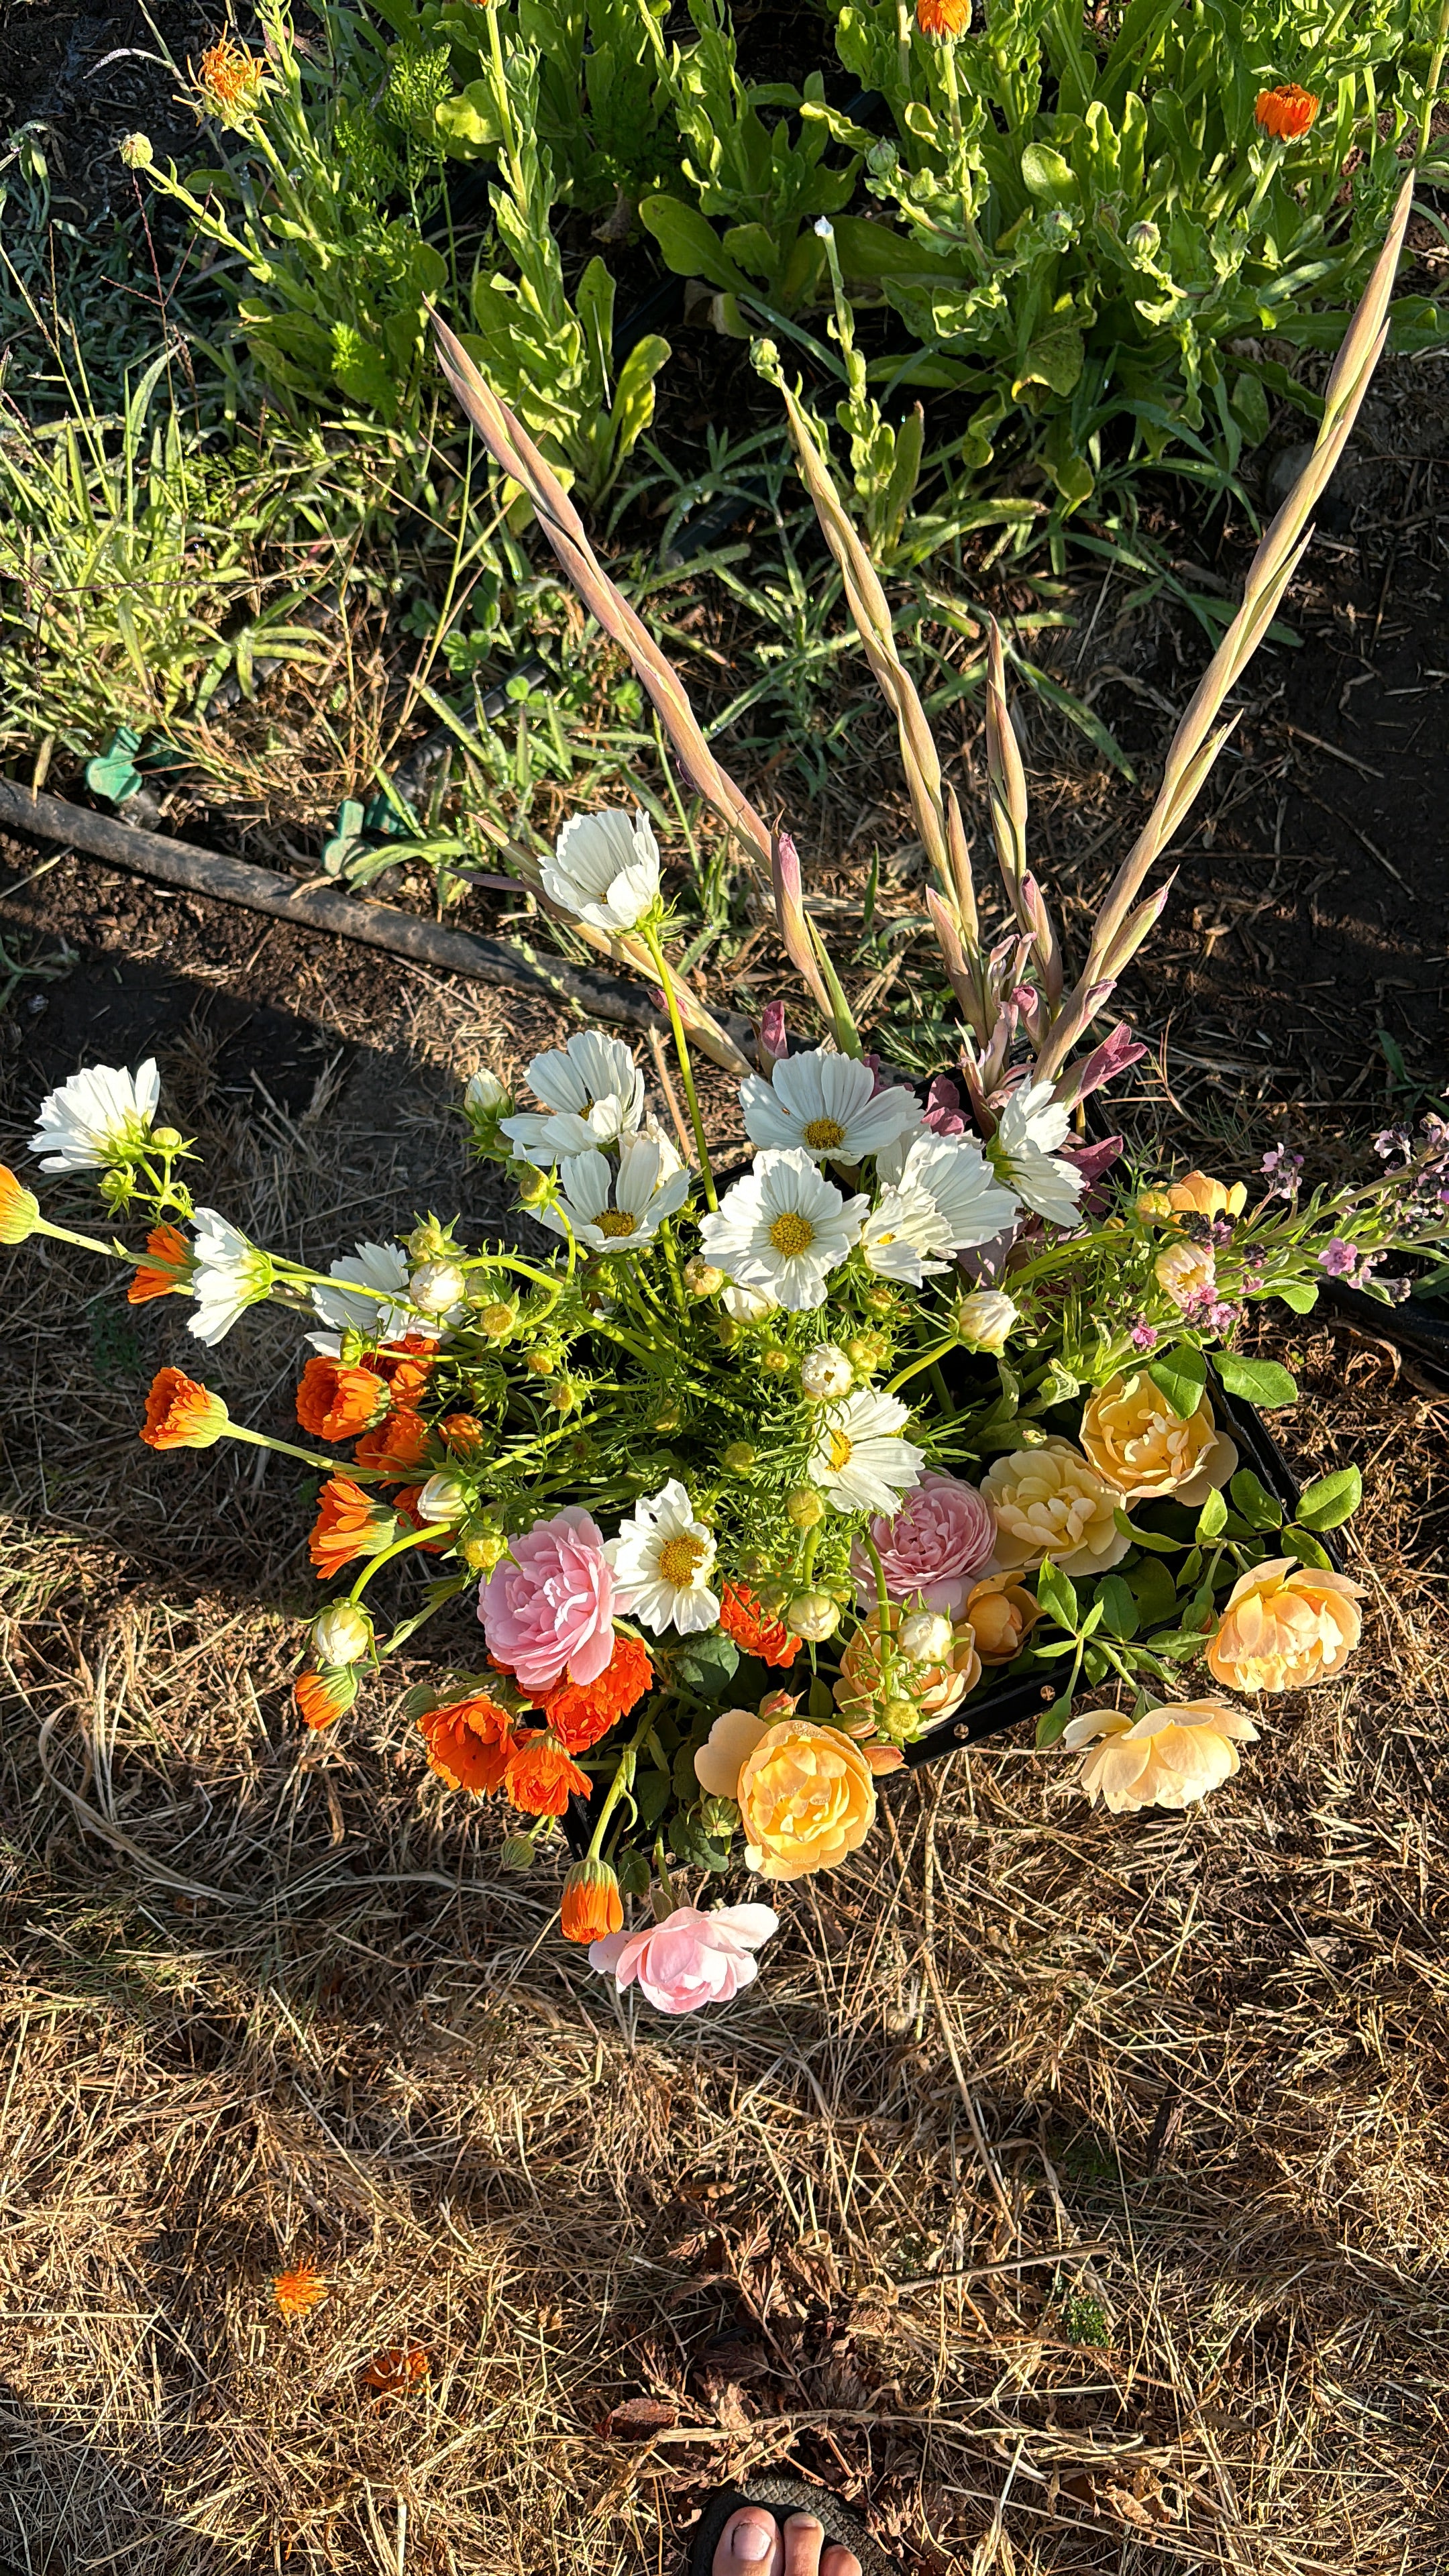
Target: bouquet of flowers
762,1481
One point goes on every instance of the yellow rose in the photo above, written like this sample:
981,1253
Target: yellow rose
1049,1502
1284,1626
734,1734
1194,1195
1136,1442
1187,1272
934,1690
806,1797
1002,1614
1170,1757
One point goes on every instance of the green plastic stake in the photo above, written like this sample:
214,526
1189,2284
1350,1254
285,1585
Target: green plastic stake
113,773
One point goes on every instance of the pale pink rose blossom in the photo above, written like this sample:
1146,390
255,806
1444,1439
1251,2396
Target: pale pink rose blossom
933,1550
689,1959
549,1607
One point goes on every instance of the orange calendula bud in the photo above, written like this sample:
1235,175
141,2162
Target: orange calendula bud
393,2372
349,1523
297,2291
182,1415
592,1906
541,1778
949,18
19,1208
335,1403
323,1697
1286,112
166,1268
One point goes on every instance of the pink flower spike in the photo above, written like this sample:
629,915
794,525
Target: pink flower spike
548,1609
932,1552
773,1045
943,1107
691,1958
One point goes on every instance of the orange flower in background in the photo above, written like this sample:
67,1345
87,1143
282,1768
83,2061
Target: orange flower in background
1285,1627
755,1628
463,1433
541,1778
19,1208
180,1414
943,17
592,1907
166,1268
407,1366
349,1524
299,2290
392,2372
398,1444
581,1712
230,79
334,1403
1196,1194
469,1744
1286,112
324,1697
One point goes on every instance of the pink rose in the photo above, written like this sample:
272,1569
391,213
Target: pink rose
938,1543
691,1958
548,1609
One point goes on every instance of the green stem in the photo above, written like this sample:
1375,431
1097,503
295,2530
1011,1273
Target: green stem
385,1555
652,942
309,1457
623,1779
928,1359
1436,74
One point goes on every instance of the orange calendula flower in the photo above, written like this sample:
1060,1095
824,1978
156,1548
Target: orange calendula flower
541,1778
1286,112
230,79
951,18
19,1208
299,2290
182,1415
393,2372
397,1445
463,1433
407,1366
470,1743
755,1628
581,1712
166,1268
324,1697
349,1524
592,1906
335,1403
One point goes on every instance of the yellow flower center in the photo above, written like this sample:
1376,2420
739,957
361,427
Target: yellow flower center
792,1233
841,1451
678,1560
823,1135
615,1221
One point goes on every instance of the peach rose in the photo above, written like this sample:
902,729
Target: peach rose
934,1690
1049,1502
735,1733
1186,1272
1002,1614
806,1798
1136,1442
1169,1758
1284,1626
1194,1195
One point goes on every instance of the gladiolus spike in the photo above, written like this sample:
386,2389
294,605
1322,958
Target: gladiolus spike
1007,777
963,983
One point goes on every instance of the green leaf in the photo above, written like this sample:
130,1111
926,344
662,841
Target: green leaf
1153,1590
691,247
1150,1539
707,1665
1257,1381
821,1703
1181,1375
652,1792
634,1873
1302,1544
469,122
1179,1647
1055,359
1119,1610
1212,1520
1260,1509
1049,178
1052,1721
1299,1294
1333,1500
1057,1595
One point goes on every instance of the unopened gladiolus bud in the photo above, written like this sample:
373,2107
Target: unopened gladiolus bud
701,1277
776,1362
517,1852
926,1637
592,1907
497,1321
866,1354
813,1616
136,151
443,1498
19,1208
826,1374
342,1633
804,1508
986,1320
484,1094
437,1285
739,1458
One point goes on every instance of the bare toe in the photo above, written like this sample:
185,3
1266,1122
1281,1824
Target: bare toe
749,2545
804,2540
839,2562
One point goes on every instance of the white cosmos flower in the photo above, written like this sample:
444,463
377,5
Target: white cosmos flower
827,1104
783,1229
97,1118
946,1199
859,1461
747,1305
662,1560
1024,1154
374,1265
604,869
230,1275
592,1093
903,1234
619,1210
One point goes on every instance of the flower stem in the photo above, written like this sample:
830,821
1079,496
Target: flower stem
652,942
309,1457
928,1359
623,1779
385,1555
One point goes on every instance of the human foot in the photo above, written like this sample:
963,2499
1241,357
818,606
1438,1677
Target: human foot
752,2543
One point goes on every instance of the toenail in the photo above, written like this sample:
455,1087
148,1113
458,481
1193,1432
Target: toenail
752,2540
